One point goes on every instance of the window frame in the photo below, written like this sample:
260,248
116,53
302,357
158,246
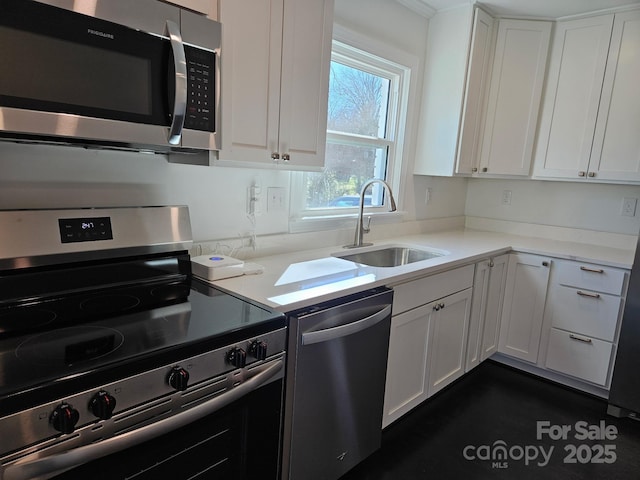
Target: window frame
372,56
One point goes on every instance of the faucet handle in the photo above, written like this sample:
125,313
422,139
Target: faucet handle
367,228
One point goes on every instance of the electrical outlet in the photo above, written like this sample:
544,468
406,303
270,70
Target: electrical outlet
629,207
506,197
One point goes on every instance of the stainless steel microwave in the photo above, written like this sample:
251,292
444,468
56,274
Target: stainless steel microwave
132,74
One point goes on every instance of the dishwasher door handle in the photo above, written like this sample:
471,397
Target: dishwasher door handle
309,338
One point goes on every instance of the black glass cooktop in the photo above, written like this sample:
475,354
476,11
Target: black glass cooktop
190,318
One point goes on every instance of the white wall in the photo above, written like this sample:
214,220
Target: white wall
36,176
389,22
447,196
59,177
385,20
564,204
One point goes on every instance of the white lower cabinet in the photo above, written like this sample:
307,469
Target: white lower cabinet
523,309
584,309
407,372
559,319
427,343
580,356
486,307
448,339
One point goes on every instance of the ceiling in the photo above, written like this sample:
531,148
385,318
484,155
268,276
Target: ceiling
536,8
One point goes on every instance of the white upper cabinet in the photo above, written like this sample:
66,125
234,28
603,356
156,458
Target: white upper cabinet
275,77
514,97
616,144
591,111
480,104
456,74
576,70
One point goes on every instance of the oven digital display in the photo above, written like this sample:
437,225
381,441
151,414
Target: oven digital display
85,229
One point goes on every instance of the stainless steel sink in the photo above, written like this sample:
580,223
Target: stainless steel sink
391,256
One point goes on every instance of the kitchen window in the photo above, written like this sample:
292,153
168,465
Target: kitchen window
368,99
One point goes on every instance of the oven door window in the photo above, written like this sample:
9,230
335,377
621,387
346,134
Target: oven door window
63,62
241,441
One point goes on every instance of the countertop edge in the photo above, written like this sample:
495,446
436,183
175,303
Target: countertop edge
464,246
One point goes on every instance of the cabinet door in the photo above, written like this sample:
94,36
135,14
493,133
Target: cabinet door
275,81
406,384
486,307
494,302
448,339
478,72
477,317
443,91
306,60
616,145
250,64
523,309
576,70
514,97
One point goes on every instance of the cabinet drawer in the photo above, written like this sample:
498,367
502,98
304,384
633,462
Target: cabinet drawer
424,290
591,277
587,313
579,356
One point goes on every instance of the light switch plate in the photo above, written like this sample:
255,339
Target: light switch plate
629,205
275,199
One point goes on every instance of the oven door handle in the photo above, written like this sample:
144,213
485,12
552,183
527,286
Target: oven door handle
29,468
180,101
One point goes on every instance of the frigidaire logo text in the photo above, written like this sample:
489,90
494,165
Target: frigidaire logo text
100,34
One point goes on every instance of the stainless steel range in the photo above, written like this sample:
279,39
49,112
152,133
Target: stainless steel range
116,363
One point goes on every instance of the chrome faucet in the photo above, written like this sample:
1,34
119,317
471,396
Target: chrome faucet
360,228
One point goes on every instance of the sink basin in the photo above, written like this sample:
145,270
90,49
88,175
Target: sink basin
391,256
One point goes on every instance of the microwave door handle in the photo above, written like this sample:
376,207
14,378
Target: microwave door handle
29,468
180,102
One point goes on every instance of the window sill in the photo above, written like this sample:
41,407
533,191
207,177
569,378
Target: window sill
343,221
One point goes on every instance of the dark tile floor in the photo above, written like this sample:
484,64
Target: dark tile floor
455,434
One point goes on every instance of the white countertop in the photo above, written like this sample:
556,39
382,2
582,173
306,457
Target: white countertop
302,278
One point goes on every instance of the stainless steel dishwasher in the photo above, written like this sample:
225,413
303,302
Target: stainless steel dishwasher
335,384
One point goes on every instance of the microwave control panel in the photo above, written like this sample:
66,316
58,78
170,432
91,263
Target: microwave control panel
200,89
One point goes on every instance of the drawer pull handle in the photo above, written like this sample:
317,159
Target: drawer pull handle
587,294
592,270
580,339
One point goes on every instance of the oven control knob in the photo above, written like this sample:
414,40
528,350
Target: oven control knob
178,378
258,349
64,418
102,405
237,357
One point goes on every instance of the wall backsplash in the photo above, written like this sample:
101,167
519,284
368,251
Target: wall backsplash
39,176
593,206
